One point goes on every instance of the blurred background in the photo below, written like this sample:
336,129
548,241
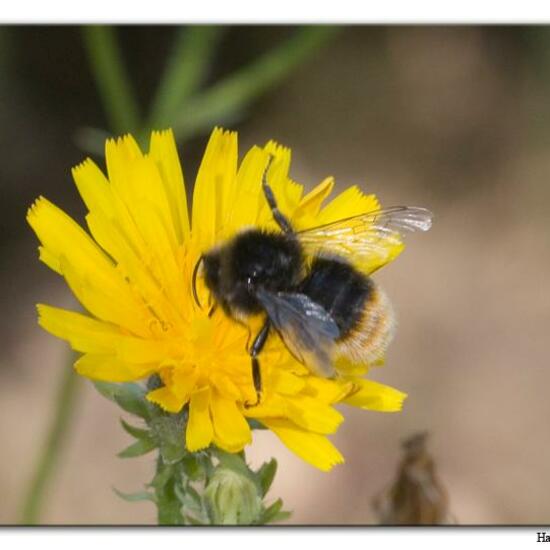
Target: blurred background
456,119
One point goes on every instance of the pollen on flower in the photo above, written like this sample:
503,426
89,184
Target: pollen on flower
132,272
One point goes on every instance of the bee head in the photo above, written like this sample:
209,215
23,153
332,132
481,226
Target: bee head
252,260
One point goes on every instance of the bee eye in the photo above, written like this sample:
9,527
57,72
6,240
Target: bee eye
251,278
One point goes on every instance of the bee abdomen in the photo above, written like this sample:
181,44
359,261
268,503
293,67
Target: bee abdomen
369,338
340,289
360,309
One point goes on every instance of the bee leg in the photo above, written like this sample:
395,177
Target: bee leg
254,351
212,310
194,281
278,216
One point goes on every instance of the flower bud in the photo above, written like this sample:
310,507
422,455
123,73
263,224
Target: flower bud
232,498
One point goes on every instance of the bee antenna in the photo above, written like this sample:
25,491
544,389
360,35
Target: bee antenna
279,217
194,281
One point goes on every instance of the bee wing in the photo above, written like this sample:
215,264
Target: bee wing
371,239
305,327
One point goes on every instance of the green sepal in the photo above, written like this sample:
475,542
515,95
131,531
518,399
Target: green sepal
190,499
135,497
266,475
274,513
194,521
192,467
130,396
139,448
168,431
255,424
237,463
138,433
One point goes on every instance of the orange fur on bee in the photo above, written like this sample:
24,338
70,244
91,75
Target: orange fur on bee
368,340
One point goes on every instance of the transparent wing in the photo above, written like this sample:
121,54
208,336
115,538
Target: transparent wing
371,239
305,327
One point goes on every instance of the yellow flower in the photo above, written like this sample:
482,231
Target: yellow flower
133,275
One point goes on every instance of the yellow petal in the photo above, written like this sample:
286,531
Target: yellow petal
327,391
287,383
271,407
162,291
90,273
375,396
104,303
287,192
247,193
350,202
231,430
94,188
143,192
215,179
137,350
110,369
82,332
164,152
167,399
306,214
313,448
183,381
119,154
199,431
313,415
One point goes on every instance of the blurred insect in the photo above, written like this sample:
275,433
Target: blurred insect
310,286
417,496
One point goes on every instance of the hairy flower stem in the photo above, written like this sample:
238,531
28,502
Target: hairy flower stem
53,446
168,503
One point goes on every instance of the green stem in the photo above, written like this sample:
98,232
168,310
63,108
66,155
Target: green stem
185,70
53,446
168,504
111,78
236,91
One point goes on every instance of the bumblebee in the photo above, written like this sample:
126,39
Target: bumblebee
309,284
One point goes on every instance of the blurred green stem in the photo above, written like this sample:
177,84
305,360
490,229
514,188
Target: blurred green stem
112,79
64,406
235,92
185,71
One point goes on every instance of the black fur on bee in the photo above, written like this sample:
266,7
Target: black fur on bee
341,289
253,259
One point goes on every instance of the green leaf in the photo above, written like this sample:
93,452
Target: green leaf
194,495
139,448
111,77
135,497
187,65
232,95
189,498
163,475
266,475
274,513
138,433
